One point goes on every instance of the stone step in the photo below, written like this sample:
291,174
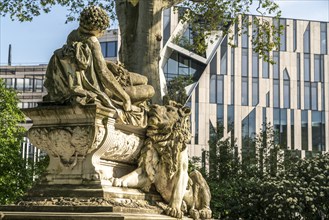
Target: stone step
6,215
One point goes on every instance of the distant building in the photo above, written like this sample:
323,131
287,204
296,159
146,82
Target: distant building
240,90
28,82
235,86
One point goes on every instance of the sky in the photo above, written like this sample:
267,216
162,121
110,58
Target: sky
34,42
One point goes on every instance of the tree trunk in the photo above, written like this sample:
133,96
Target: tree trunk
141,33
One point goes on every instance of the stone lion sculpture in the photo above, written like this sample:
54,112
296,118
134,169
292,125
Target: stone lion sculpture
164,163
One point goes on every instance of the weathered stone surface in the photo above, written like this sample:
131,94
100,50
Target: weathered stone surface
164,161
92,126
83,144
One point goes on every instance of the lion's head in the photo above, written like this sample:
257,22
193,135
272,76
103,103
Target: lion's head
164,120
168,132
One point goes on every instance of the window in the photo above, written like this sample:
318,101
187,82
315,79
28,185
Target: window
196,118
323,37
19,84
294,35
264,118
230,118
323,130
276,65
298,66
109,49
248,132
322,97
255,91
276,121
245,32
179,64
314,98
232,90
307,95
283,35
9,83
255,64
286,89
268,99
283,128
307,68
232,60
244,91
220,89
317,68
304,130
298,95
306,39
316,131
292,129
244,67
276,93
223,57
322,68
220,114
212,90
286,94
166,25
213,65
265,66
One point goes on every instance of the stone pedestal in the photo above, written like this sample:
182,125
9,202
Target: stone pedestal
84,143
87,149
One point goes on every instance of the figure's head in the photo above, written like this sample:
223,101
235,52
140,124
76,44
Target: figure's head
94,18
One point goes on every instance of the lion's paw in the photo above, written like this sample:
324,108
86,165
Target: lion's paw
118,182
194,214
205,213
176,213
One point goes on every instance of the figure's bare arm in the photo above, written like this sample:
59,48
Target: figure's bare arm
105,75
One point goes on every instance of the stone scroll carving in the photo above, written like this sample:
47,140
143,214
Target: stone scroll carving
125,148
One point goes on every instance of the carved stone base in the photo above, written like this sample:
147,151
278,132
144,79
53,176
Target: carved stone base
87,150
84,143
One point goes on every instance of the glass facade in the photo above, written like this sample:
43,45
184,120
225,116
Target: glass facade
244,91
306,39
109,49
265,67
294,35
323,38
304,125
223,57
307,67
179,64
166,25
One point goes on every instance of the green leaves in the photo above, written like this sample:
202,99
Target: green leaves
26,10
176,89
14,177
253,189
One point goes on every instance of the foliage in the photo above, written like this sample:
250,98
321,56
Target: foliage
274,185
16,174
13,176
176,89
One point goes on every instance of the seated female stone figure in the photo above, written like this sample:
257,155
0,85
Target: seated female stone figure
79,73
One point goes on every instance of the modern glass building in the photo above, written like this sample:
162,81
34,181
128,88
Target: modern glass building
242,91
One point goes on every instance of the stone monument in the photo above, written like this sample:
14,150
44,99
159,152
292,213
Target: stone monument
110,151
